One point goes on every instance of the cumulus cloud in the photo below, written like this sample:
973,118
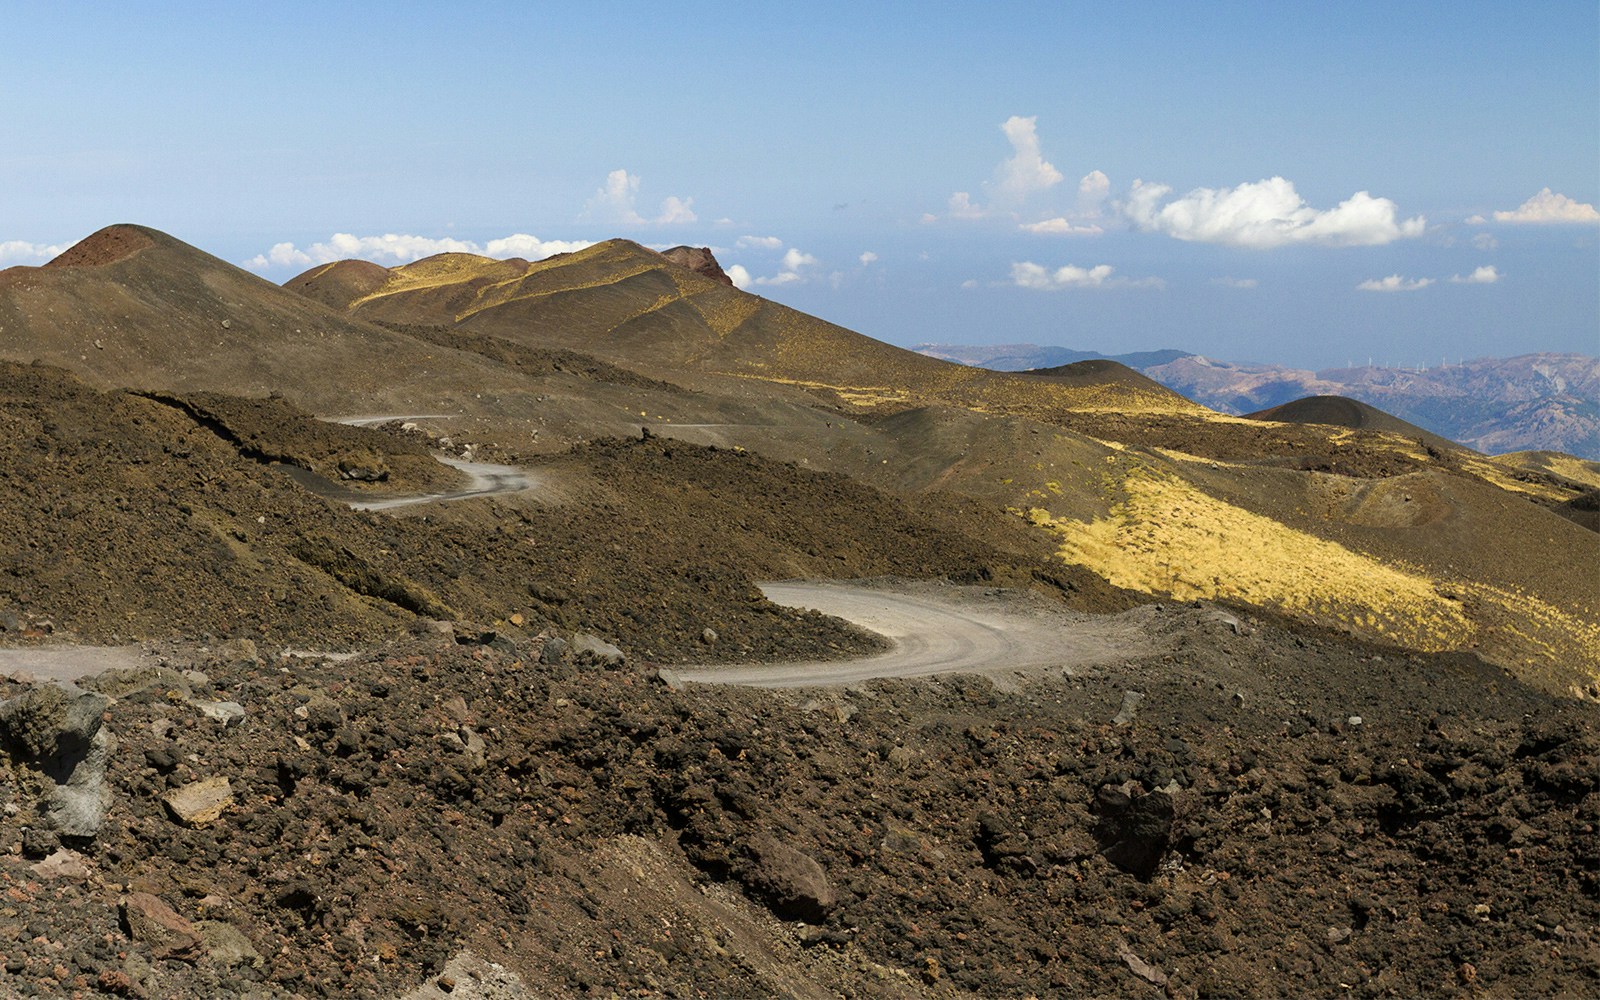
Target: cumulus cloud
675,209
1267,213
23,252
399,248
1027,274
1549,208
961,207
1026,172
1485,241
1092,192
868,257
1061,227
1486,275
1235,282
614,202
796,266
759,243
1018,177
1394,283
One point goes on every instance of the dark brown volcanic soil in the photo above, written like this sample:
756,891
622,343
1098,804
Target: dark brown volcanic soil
1342,411
107,246
134,518
602,834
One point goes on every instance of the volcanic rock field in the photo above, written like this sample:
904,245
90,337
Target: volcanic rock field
590,627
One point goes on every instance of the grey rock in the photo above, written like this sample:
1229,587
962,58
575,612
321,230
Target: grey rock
670,678
593,649
57,729
1129,709
225,944
554,651
37,843
229,713
469,977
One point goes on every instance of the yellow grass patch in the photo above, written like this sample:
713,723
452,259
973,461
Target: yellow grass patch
1168,537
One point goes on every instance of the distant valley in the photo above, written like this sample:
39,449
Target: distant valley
1535,402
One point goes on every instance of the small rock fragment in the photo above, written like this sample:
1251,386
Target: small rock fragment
226,945
670,678
1130,708
199,802
1144,970
595,650
156,924
229,713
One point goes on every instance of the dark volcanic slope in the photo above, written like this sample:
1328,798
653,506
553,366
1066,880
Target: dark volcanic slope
137,518
642,309
1096,371
131,306
1286,814
1342,411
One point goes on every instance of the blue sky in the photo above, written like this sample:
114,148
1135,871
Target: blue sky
1250,181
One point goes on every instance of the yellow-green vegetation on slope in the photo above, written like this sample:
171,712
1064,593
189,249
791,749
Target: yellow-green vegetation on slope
1576,470
1165,535
1168,537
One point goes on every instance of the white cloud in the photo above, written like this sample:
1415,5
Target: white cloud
759,243
795,267
676,210
1394,283
531,247
961,207
868,257
1549,208
1018,177
1092,191
1035,276
1026,172
794,260
1061,227
397,248
1476,220
1267,213
614,202
1485,275
23,252
1485,241
1236,282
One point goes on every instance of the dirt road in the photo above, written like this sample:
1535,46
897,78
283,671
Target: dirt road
484,479
939,630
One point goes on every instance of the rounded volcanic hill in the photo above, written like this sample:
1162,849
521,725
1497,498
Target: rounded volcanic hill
1098,371
131,306
650,312
339,284
1342,411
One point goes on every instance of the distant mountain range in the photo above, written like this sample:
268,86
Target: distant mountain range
1534,402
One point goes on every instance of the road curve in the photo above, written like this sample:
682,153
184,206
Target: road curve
934,633
484,479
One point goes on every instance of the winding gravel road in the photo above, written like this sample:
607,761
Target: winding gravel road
484,479
939,631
